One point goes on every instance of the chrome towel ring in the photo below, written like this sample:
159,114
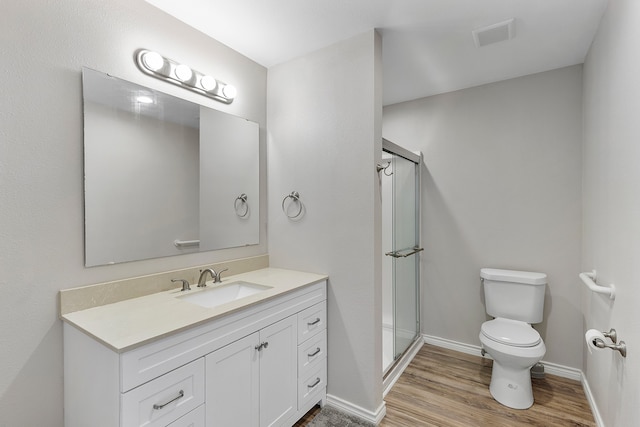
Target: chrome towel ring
243,202
295,198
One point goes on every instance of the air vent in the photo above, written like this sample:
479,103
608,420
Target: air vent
494,33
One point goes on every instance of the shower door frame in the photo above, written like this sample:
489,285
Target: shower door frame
415,158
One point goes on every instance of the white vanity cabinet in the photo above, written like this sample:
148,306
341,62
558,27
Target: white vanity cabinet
252,382
261,365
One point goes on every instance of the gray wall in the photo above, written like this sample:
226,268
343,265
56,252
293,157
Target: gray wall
44,46
501,188
324,120
612,207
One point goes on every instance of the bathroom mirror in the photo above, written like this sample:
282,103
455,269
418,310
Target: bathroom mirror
164,176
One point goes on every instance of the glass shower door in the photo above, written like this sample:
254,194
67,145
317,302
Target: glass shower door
404,254
400,193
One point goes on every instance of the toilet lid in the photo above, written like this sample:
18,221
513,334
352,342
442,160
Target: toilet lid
511,332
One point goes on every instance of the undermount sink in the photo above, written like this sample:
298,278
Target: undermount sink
214,296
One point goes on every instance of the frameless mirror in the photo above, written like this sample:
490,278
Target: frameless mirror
164,176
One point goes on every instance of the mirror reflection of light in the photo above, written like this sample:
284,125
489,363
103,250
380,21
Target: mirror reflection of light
144,99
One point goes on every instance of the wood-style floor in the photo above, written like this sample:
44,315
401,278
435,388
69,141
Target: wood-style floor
447,388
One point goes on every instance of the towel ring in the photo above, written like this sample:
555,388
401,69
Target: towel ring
295,197
243,201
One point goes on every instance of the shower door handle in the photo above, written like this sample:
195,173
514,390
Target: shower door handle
403,252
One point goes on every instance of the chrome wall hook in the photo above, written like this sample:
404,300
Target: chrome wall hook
379,168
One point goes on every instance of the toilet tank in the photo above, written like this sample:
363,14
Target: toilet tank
516,295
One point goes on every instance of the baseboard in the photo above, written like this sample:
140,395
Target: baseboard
453,345
357,411
550,368
562,371
592,402
397,370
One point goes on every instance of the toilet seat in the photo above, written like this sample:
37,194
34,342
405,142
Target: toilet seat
511,332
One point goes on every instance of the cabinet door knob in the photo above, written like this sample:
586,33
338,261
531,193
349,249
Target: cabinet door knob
262,345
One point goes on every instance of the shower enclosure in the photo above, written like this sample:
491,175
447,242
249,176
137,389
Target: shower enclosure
400,189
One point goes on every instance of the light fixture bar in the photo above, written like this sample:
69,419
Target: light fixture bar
154,64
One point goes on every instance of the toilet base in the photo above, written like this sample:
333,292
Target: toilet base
511,387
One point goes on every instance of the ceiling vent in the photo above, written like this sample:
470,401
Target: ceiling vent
494,33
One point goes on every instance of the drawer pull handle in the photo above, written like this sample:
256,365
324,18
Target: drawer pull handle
262,345
315,383
162,405
314,353
315,322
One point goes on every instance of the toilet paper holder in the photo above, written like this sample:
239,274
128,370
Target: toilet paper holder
613,336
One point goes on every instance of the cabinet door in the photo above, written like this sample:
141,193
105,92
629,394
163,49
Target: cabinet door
278,372
232,384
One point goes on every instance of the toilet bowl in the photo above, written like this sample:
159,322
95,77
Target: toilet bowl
514,347
516,300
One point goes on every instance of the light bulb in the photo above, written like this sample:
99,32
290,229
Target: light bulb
153,61
229,91
144,99
208,83
183,73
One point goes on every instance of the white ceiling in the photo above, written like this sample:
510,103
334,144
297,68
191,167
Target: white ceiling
428,46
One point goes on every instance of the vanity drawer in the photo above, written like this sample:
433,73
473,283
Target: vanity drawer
311,353
166,398
313,385
311,321
194,418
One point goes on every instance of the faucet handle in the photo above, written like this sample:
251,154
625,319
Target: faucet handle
218,278
185,284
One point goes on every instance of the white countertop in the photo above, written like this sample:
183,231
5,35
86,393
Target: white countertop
133,322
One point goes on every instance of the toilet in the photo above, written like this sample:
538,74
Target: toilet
516,300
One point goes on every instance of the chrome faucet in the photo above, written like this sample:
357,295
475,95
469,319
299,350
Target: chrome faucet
218,277
185,284
203,277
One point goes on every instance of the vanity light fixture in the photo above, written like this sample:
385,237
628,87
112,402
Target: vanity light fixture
183,73
153,61
208,83
229,91
154,64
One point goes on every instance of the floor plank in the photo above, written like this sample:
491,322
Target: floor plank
446,388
